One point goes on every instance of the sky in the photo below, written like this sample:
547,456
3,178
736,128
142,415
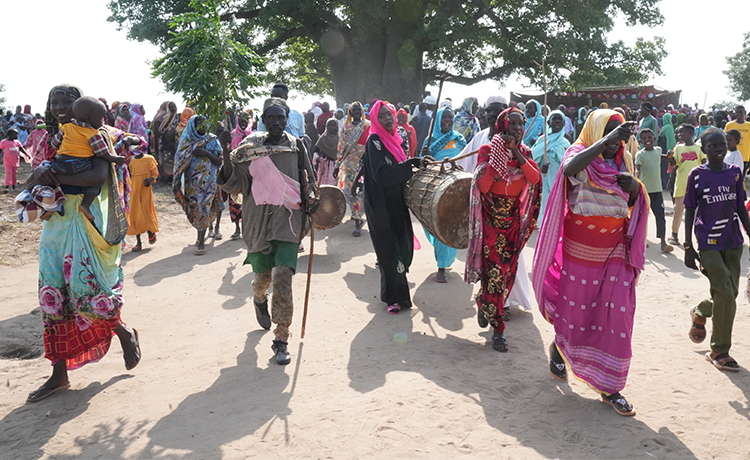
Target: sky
697,46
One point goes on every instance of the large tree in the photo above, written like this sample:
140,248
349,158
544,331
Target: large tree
739,71
363,49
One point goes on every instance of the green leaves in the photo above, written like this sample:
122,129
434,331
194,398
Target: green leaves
204,64
473,40
739,71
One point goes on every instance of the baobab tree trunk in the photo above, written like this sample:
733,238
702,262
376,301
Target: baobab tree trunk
385,65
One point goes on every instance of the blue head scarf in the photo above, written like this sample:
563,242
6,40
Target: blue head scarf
557,144
534,125
440,140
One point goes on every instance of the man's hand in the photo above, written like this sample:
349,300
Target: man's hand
118,160
225,139
314,205
691,257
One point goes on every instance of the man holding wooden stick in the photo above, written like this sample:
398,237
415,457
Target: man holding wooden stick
267,168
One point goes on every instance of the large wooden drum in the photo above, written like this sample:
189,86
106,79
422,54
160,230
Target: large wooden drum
439,198
332,208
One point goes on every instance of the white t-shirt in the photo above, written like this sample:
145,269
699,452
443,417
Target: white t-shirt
469,164
734,158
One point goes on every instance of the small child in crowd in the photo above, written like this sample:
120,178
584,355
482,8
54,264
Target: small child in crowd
648,171
12,151
734,157
142,217
687,156
715,203
78,142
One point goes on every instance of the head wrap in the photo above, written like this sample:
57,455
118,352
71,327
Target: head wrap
522,106
500,155
276,102
66,90
27,109
238,134
467,107
349,111
603,105
594,128
447,103
391,140
441,139
328,142
138,124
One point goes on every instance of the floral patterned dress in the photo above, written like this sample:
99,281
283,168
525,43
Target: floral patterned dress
80,285
351,148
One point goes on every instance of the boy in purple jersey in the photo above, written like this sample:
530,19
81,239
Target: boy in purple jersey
715,205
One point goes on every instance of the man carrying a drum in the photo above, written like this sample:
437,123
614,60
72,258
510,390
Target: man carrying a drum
268,168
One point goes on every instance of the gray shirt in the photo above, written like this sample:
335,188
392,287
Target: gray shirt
263,224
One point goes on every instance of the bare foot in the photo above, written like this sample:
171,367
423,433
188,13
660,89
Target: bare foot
86,212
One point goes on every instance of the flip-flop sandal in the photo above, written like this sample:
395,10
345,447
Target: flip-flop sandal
46,395
235,236
138,348
619,404
721,361
697,332
200,252
151,238
558,371
393,309
136,248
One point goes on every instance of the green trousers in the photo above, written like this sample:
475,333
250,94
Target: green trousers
722,268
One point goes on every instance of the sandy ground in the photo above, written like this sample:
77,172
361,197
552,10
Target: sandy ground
362,384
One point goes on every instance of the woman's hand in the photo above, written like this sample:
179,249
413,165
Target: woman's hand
201,153
46,176
544,168
627,183
425,151
620,134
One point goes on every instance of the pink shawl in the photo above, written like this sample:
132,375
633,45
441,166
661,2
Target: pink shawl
550,241
391,140
238,133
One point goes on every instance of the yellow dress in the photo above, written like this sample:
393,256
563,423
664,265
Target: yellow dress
142,217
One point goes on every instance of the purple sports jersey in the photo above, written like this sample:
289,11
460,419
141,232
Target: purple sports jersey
716,196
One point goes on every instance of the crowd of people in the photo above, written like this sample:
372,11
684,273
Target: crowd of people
584,178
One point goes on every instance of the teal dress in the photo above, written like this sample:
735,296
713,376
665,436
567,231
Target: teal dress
442,146
80,282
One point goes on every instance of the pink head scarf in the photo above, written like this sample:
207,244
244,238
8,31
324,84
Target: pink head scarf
391,140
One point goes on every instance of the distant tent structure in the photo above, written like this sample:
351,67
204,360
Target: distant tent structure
632,96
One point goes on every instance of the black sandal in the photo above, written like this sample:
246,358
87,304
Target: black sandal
557,364
499,343
620,404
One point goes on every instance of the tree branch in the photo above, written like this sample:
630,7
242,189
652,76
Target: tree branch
463,80
251,14
279,40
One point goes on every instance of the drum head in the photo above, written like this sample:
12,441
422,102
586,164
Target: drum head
332,208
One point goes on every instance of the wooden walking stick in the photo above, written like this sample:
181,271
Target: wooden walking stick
434,112
310,260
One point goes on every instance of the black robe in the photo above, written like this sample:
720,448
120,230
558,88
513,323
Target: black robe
388,220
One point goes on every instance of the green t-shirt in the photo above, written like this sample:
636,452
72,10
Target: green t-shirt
650,163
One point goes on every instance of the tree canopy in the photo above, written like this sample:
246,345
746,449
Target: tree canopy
205,64
739,71
362,49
